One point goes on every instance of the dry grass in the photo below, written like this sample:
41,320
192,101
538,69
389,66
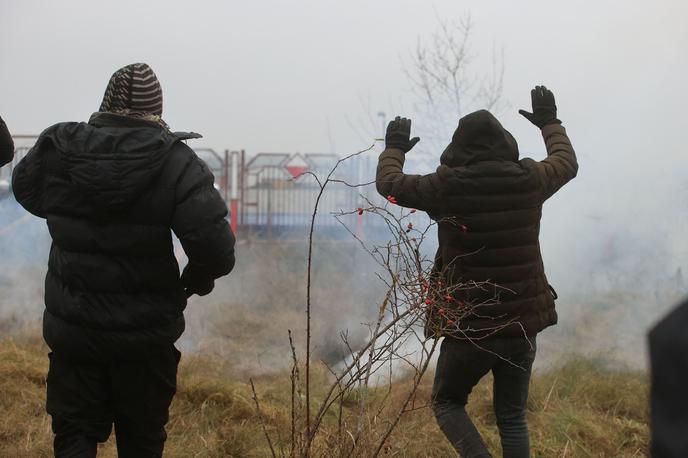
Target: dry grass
579,409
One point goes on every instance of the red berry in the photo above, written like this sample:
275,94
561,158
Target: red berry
448,298
450,322
413,210
428,301
441,311
360,211
464,228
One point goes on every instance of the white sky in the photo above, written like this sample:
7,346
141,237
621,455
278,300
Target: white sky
268,75
272,75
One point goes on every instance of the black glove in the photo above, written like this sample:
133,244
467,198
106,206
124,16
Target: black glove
200,290
544,108
398,135
193,284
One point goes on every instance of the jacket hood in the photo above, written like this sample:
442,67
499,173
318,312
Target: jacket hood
479,137
112,159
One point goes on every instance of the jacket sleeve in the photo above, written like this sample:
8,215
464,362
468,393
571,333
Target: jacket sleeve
414,191
6,144
199,223
561,165
28,177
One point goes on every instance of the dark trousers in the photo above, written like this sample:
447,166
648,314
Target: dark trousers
86,398
460,367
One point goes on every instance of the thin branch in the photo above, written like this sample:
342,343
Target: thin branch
262,419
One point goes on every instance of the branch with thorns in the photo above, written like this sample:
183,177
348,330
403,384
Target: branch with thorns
418,308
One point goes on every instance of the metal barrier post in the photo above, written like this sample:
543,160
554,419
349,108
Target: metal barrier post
234,205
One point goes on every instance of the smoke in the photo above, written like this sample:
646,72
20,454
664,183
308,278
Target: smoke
24,246
616,251
246,319
615,271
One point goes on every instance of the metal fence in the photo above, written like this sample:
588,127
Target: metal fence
23,144
273,195
277,193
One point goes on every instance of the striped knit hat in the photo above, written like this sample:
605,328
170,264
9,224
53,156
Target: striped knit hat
133,88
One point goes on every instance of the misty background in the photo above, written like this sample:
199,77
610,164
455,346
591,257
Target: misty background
312,76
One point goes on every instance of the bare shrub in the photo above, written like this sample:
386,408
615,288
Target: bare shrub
398,343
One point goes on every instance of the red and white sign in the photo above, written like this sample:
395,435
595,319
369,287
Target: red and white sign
297,165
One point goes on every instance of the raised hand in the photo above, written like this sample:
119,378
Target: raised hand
399,135
544,108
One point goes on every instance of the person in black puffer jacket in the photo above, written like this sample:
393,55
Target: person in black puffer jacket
487,204
112,191
6,144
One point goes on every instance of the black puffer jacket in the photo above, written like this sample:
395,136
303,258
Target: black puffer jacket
488,206
668,397
110,191
6,144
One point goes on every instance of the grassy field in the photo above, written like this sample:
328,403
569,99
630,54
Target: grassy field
577,410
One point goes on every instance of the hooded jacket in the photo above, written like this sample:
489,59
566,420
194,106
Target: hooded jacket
6,144
487,204
111,190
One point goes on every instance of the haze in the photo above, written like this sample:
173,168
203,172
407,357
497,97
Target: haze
277,76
